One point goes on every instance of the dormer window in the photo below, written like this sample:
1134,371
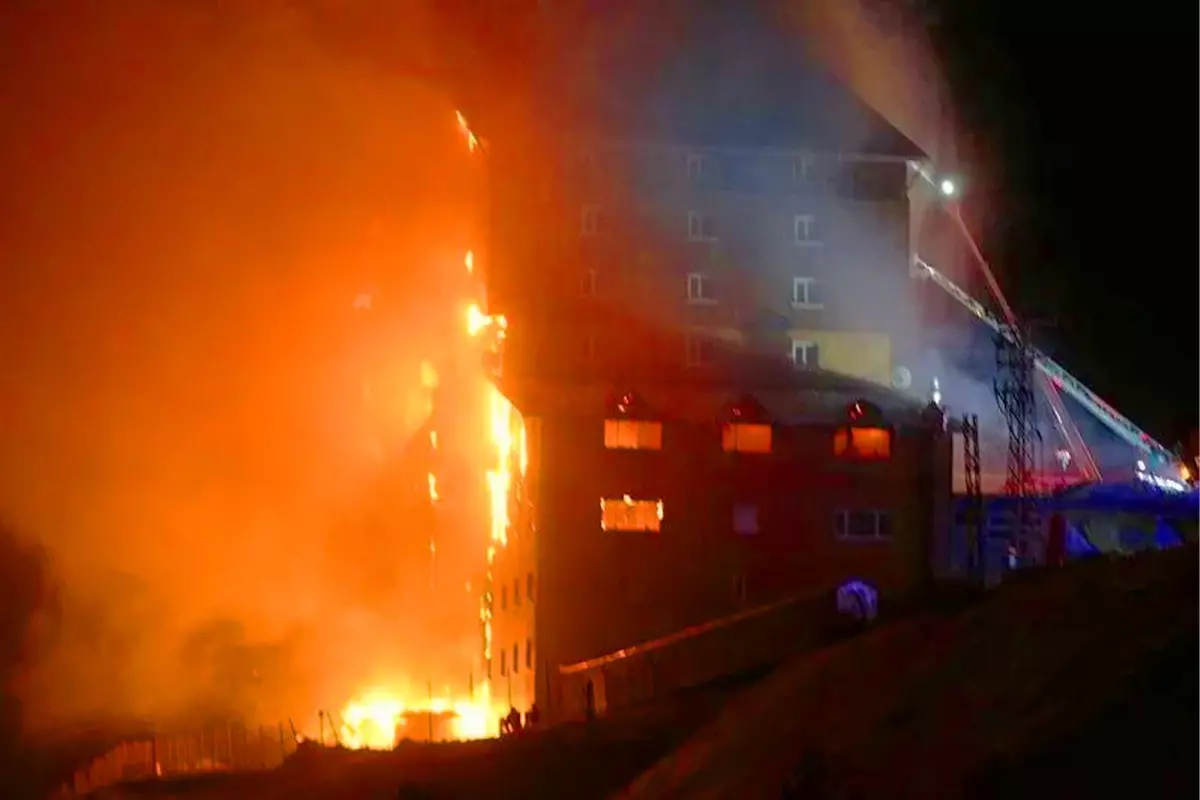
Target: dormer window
630,425
747,428
865,436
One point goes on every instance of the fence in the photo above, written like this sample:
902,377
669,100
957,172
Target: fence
692,657
218,748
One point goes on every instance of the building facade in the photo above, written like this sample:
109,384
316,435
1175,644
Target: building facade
698,291
639,512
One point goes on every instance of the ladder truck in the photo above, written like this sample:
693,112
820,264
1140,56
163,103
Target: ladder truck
1058,376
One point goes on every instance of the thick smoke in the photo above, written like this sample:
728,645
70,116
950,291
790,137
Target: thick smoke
197,419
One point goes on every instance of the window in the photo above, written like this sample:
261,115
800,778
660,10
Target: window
632,434
516,591
587,283
627,514
589,222
529,654
805,294
745,519
804,230
699,351
529,587
863,443
503,663
701,227
806,354
699,288
697,166
802,168
745,437
861,525
516,658
503,597
587,350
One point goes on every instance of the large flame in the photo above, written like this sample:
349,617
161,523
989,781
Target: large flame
377,718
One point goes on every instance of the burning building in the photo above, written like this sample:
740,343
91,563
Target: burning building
705,284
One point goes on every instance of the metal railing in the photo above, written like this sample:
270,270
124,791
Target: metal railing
216,748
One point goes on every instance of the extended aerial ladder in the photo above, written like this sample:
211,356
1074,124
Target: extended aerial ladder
1058,376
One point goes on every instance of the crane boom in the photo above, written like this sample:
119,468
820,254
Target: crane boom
1116,422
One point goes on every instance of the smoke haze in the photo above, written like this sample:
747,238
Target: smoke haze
191,207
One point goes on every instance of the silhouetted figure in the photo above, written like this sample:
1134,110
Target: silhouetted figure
514,720
532,716
589,701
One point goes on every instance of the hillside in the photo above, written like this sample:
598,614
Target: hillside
1061,686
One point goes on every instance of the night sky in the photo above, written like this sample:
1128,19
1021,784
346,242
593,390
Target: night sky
1094,224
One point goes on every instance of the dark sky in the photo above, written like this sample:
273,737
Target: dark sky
1095,229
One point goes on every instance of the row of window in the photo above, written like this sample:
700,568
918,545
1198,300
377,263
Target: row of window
702,226
700,350
864,180
627,514
516,658
856,442
516,592
700,289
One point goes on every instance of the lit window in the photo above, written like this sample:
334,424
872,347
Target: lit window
503,663
861,525
516,591
529,654
804,230
805,295
864,443
701,227
699,351
745,519
806,354
699,288
587,283
745,437
627,514
529,587
589,221
697,166
516,658
632,434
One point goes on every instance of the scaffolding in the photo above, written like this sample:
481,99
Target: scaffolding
1014,388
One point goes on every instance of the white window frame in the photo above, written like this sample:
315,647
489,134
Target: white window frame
802,168
698,350
841,528
802,293
697,294
587,282
805,346
695,221
802,230
697,166
589,220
